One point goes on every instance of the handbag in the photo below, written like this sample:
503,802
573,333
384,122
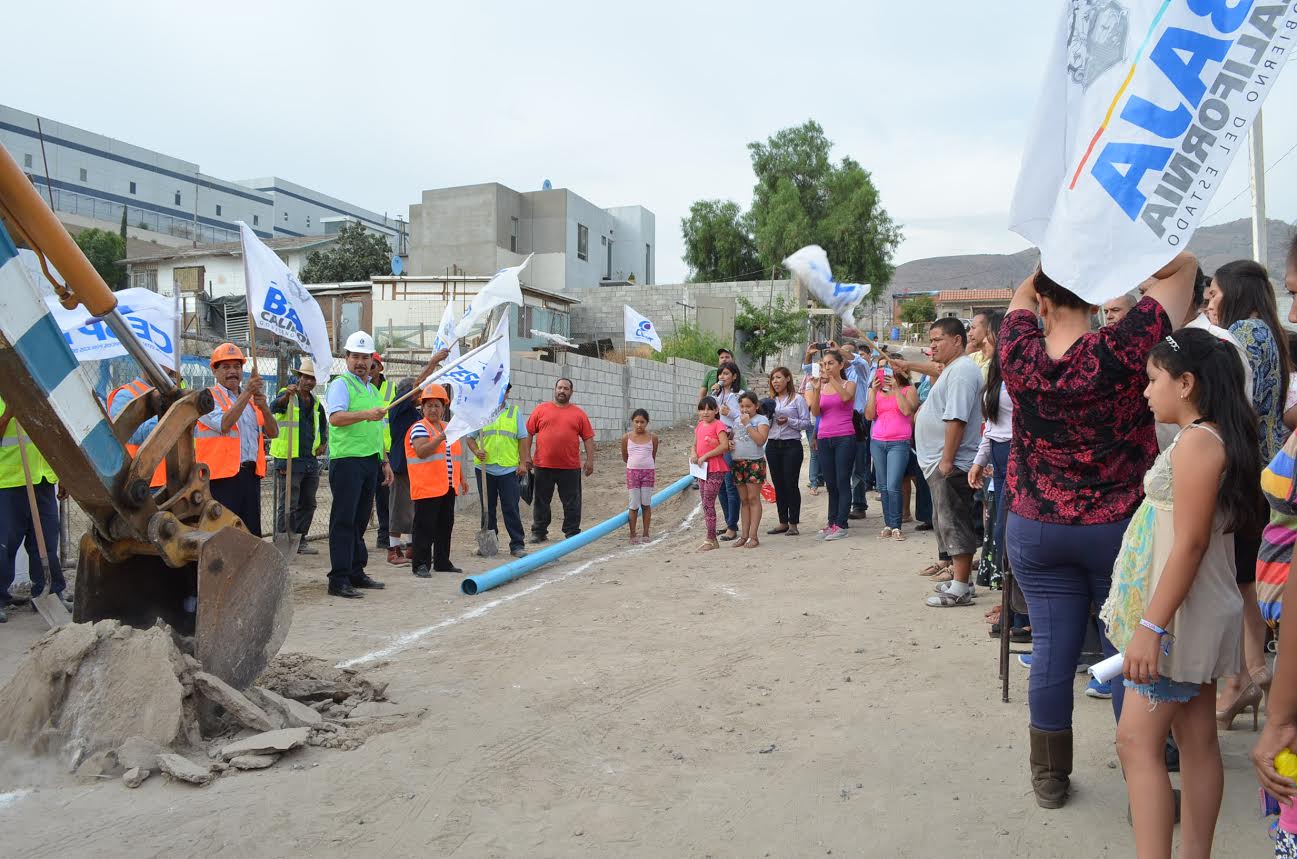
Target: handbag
525,487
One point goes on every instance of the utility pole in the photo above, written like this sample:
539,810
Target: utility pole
1260,251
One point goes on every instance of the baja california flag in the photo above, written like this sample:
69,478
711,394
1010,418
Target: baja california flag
503,288
640,330
1144,106
279,303
479,385
810,265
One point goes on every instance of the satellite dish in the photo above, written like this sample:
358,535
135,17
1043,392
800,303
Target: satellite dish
547,185
398,266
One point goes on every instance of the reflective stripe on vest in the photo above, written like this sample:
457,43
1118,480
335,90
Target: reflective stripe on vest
364,438
387,393
11,464
292,421
499,440
428,478
220,451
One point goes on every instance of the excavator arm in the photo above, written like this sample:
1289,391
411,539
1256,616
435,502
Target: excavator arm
178,555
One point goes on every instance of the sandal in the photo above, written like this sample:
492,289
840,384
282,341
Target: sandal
897,535
885,533
944,575
708,545
782,529
933,569
751,544
792,531
739,543
947,600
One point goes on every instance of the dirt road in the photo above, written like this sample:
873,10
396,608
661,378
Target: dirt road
795,700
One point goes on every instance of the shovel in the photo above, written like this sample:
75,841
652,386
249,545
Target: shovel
47,605
487,546
286,541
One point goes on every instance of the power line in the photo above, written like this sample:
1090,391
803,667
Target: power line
1245,190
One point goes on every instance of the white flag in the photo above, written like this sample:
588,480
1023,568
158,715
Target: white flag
479,386
639,329
1144,105
810,265
151,316
280,304
503,288
445,335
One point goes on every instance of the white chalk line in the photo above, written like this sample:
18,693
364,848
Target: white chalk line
407,640
12,797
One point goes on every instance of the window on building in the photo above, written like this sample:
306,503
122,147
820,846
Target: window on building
513,234
145,278
177,198
285,217
27,160
648,260
218,210
256,220
132,187
582,242
83,174
308,222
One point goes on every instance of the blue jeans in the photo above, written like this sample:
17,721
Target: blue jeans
16,527
837,458
862,473
891,459
814,477
922,494
730,504
503,488
1064,572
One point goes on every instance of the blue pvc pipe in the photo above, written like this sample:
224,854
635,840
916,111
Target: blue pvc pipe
521,567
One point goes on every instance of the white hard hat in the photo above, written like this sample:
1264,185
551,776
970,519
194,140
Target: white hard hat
360,342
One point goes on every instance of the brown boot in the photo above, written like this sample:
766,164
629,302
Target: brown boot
1051,766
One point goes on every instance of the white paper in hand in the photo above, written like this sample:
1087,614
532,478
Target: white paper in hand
698,470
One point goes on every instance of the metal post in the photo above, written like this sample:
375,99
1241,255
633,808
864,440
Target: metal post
1260,250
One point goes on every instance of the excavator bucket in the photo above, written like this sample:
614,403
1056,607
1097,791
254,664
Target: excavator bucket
235,600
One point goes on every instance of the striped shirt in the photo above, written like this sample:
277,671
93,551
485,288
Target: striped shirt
420,430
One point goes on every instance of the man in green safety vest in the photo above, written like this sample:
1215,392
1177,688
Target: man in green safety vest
386,393
300,417
16,524
356,461
500,449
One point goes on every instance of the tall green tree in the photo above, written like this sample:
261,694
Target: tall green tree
122,280
802,197
718,243
918,310
770,328
357,255
104,249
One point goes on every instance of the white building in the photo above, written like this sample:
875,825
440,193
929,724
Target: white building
92,178
479,229
214,270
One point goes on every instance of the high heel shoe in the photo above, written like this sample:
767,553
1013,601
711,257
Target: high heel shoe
1250,697
1262,680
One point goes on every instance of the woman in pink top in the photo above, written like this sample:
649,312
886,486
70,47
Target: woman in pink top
831,398
711,443
891,406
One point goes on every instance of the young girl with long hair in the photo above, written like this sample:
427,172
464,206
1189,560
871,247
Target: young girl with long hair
749,471
711,443
729,384
1174,609
639,450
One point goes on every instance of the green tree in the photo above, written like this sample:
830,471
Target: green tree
718,243
104,249
357,255
122,280
918,310
692,343
771,328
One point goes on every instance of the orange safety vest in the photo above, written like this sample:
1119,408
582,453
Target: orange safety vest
221,450
428,475
133,390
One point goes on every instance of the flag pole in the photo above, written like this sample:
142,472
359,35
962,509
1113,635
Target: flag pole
442,371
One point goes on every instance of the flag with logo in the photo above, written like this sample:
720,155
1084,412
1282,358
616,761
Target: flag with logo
639,329
1144,105
810,266
479,386
445,337
151,316
280,304
503,288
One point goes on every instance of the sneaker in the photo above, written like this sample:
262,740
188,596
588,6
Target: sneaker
423,572
1095,689
518,553
836,534
307,549
1024,659
823,532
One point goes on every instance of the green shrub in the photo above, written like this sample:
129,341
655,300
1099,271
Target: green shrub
693,344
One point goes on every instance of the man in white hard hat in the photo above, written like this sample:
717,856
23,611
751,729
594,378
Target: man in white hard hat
356,415
303,425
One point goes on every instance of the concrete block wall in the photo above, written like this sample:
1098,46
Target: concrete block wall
599,314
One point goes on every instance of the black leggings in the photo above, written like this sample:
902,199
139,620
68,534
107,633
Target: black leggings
784,456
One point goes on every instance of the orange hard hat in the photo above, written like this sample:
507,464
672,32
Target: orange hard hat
227,352
435,392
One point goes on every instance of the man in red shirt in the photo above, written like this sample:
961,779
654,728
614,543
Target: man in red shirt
557,431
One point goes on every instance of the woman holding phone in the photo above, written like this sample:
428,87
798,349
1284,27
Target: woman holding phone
891,406
831,399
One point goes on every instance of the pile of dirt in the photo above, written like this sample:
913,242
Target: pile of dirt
108,700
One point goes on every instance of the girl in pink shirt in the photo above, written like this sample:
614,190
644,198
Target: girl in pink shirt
711,443
891,406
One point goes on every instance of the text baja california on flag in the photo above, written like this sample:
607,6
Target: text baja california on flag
1144,106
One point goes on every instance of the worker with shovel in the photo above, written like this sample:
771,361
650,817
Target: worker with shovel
303,436
28,507
501,450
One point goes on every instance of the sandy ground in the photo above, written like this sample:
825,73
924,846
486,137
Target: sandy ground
796,700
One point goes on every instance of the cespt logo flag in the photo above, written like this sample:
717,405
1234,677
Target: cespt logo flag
1145,104
151,316
504,287
639,329
810,266
279,303
478,386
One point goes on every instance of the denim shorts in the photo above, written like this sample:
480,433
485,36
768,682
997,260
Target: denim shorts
1166,689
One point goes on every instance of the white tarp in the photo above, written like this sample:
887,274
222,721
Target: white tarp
810,265
1145,104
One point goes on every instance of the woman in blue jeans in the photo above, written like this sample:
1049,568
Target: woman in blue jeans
729,384
1082,440
832,397
890,407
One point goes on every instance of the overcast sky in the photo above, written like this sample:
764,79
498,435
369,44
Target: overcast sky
374,102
